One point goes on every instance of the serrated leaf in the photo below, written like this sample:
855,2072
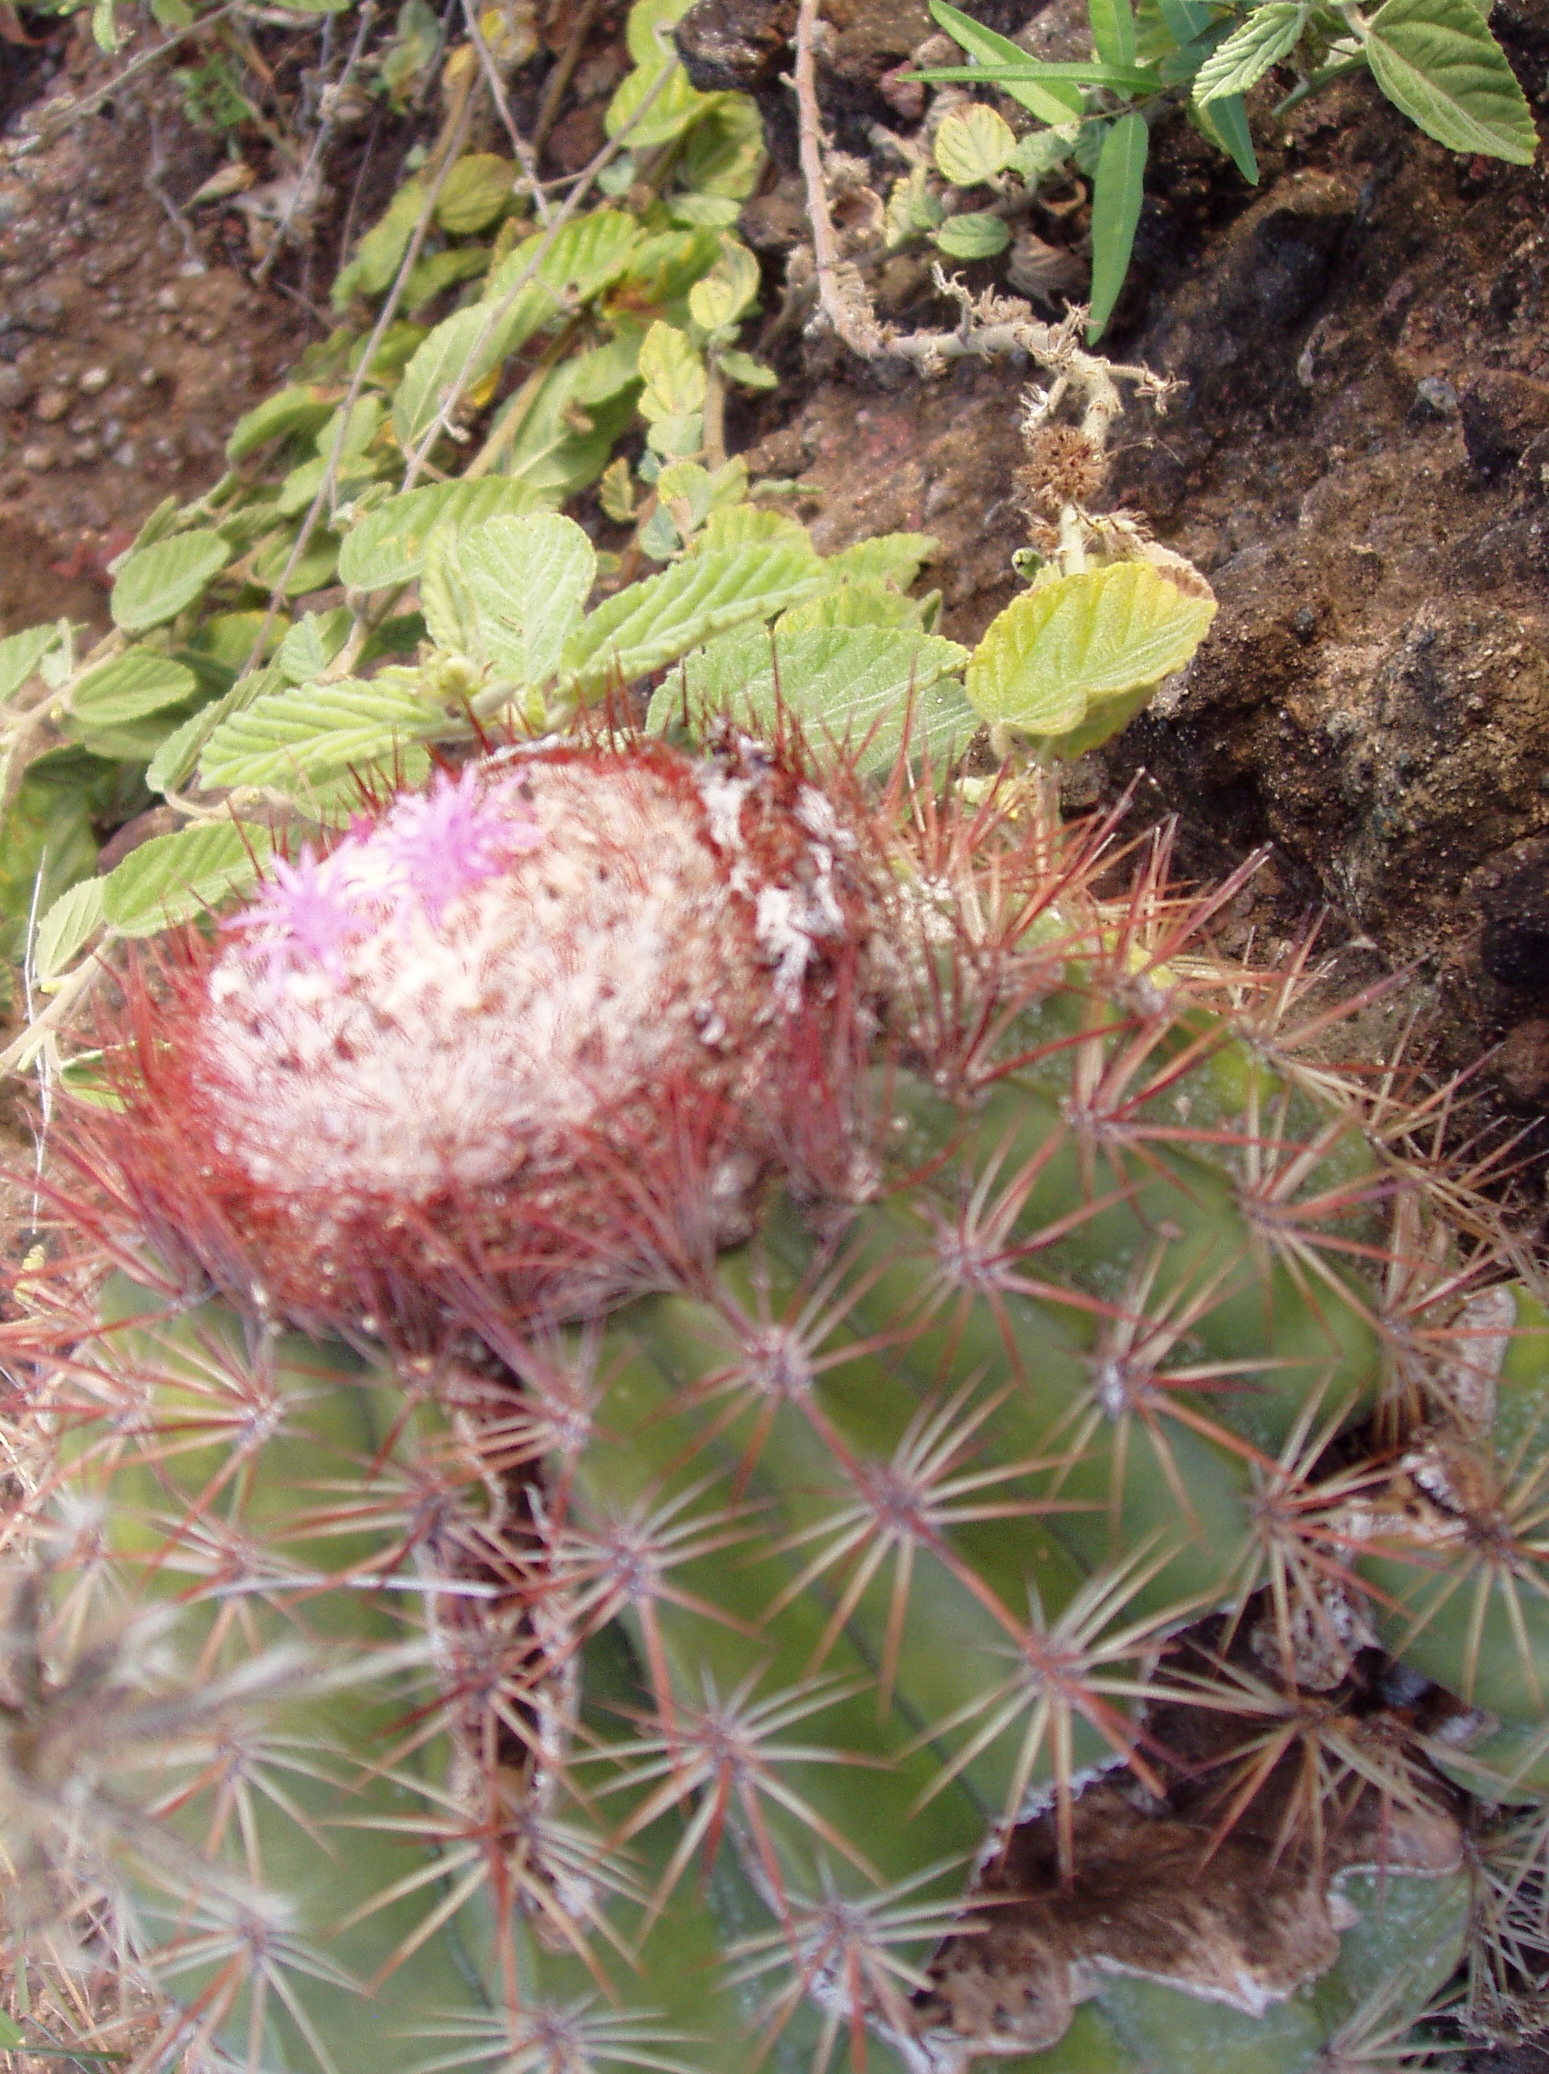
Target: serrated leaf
651,624
977,236
387,548
172,878
453,359
129,687
580,259
451,613
1052,102
851,689
474,193
673,372
894,558
1268,34
1113,30
741,367
860,604
1069,645
312,643
723,155
73,918
728,291
21,653
973,145
1438,62
561,446
740,524
300,409
177,757
290,738
530,578
1117,193
155,584
674,106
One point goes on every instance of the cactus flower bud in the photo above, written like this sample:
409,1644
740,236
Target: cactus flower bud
472,1045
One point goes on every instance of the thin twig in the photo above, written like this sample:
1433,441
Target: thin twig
526,157
850,316
319,143
71,111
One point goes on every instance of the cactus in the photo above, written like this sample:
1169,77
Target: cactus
715,1421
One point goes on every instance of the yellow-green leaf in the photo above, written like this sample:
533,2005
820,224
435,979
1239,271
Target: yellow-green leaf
1078,642
474,193
973,145
172,878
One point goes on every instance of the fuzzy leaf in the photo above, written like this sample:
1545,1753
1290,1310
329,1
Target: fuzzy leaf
1247,54
894,558
21,653
73,917
1079,641
172,878
673,373
529,578
155,584
454,358
1051,101
474,193
129,687
388,546
973,144
312,643
291,737
1438,62
653,623
1117,193
849,688
979,236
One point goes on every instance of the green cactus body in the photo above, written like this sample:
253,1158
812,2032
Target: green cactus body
755,1660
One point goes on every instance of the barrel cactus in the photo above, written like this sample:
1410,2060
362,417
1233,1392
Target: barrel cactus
712,1420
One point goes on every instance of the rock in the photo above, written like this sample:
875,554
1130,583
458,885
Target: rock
15,388
51,405
735,46
94,380
1231,332
1502,412
37,459
1522,1065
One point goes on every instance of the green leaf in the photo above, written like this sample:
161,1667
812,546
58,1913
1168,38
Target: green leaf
1078,641
742,368
1128,79
858,604
530,578
893,558
741,524
457,353
178,755
1117,194
387,548
978,236
129,687
580,259
476,190
380,251
673,372
442,270
1050,103
1225,122
155,584
73,917
312,643
21,653
850,688
12,2035
723,154
562,446
299,409
1113,30
290,738
1438,62
172,878
1185,19
1247,54
452,618
973,145
651,624
676,104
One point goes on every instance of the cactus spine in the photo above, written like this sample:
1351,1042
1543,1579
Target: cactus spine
851,1498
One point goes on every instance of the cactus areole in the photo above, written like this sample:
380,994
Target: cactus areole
467,1042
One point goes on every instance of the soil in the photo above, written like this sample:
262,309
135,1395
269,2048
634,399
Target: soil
129,343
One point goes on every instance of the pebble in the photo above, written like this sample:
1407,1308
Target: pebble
1435,398
51,405
124,456
94,380
15,389
37,459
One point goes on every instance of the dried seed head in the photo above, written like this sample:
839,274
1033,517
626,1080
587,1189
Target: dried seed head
1062,467
473,1039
